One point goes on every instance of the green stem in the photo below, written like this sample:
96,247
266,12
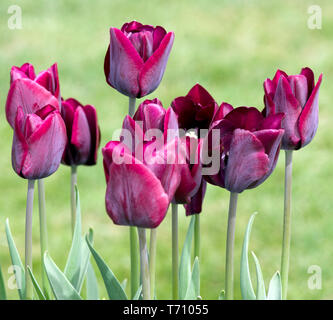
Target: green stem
229,270
131,106
152,261
197,236
135,270
144,264
43,232
134,246
286,224
175,252
28,239
73,198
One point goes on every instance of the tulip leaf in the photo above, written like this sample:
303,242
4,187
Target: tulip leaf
37,288
78,258
92,285
275,288
185,262
113,287
261,292
192,292
124,284
60,285
138,293
245,276
2,287
16,262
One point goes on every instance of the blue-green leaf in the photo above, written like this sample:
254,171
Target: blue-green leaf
2,287
245,277
78,258
61,287
275,288
124,284
16,261
185,262
194,285
113,287
37,288
261,292
138,293
92,284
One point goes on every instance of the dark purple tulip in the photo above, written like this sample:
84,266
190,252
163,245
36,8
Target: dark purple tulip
249,146
48,78
195,110
83,135
297,97
136,58
139,191
38,142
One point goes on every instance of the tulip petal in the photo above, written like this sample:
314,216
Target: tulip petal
135,196
247,118
91,115
247,161
30,96
25,71
81,138
123,65
299,87
153,69
195,205
286,102
308,120
199,95
272,121
308,73
46,147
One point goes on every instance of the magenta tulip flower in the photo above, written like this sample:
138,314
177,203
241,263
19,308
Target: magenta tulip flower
49,78
195,110
83,134
38,142
297,97
140,189
136,58
249,146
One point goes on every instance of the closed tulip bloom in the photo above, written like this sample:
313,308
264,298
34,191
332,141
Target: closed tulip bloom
38,142
136,58
139,190
48,78
83,134
249,146
297,97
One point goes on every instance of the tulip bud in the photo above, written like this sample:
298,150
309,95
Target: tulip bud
83,134
136,58
297,97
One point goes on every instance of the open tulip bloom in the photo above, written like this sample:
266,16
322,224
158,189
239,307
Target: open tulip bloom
297,96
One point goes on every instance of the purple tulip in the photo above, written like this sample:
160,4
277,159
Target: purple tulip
38,142
136,58
139,191
49,78
83,134
248,147
195,110
297,97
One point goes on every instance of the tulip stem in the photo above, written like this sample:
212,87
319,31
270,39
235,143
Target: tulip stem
73,197
175,251
144,264
152,261
43,232
229,270
28,239
197,236
135,271
286,224
131,106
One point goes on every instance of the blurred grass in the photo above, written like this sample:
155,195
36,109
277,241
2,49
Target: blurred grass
229,47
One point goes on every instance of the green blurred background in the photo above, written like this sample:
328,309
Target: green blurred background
229,47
